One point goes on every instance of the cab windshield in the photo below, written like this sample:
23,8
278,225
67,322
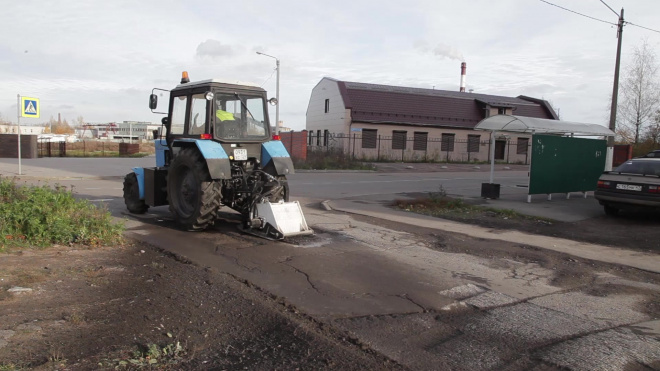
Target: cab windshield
239,117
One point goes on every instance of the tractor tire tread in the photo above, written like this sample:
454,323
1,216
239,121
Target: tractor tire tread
210,196
132,195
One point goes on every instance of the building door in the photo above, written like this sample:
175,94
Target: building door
500,148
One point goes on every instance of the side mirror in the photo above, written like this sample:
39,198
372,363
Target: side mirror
272,101
165,121
153,101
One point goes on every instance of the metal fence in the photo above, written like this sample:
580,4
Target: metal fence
421,148
51,149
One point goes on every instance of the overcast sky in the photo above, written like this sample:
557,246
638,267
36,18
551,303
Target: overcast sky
100,59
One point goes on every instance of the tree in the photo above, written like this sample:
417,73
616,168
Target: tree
640,91
652,132
60,127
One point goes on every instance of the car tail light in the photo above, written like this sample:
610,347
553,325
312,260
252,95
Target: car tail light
603,184
654,189
276,137
206,136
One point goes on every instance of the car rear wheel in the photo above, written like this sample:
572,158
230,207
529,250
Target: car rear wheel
611,211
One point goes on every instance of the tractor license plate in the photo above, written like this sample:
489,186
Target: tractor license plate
240,154
629,187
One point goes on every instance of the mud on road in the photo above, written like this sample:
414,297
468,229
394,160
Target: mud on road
136,306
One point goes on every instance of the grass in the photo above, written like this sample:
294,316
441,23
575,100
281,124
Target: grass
438,204
331,160
41,216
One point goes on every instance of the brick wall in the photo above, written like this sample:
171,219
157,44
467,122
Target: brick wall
295,143
9,146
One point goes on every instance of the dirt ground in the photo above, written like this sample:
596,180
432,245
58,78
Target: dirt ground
135,307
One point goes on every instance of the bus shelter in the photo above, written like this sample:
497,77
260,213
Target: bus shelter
565,156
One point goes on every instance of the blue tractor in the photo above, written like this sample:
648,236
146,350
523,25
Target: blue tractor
217,151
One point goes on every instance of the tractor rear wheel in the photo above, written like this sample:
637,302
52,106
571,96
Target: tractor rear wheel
132,195
193,196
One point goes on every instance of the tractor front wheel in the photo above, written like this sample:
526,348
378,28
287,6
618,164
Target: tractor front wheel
193,196
132,195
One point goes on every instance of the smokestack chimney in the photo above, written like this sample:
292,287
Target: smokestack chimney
463,67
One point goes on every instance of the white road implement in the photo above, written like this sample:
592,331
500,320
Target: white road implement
285,217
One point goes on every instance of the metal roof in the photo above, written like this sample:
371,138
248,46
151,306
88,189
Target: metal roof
532,125
219,82
386,104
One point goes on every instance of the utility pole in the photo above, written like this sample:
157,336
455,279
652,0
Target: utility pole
615,94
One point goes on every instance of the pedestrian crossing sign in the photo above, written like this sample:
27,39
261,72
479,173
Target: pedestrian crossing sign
29,107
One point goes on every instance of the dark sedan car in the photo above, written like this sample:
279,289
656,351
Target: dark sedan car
635,184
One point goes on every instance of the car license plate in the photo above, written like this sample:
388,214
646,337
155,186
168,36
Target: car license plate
240,154
629,187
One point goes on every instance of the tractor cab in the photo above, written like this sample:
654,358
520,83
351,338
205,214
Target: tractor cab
234,115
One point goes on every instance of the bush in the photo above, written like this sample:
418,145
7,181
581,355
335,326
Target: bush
42,216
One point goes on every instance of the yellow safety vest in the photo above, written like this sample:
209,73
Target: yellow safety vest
224,115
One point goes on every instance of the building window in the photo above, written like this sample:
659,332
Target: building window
369,137
447,143
318,137
399,139
501,111
327,105
311,138
420,140
326,137
522,145
473,143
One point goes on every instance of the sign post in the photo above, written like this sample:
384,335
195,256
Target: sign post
27,107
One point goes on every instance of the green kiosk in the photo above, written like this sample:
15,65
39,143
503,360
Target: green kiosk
565,156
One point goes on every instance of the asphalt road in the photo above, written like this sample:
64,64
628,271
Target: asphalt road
426,298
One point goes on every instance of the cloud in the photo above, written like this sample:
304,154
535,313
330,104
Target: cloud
214,48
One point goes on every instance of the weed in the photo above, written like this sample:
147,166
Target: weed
10,367
41,216
75,318
151,354
441,193
157,265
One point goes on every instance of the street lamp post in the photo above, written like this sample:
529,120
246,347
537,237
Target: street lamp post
277,92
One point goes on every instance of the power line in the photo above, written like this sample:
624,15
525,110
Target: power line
572,11
646,28
617,14
271,75
600,20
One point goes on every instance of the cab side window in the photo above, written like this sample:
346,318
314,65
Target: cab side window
178,114
198,115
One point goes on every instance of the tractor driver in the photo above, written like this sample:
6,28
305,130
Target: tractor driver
227,125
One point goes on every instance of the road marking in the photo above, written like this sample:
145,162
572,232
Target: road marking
102,200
